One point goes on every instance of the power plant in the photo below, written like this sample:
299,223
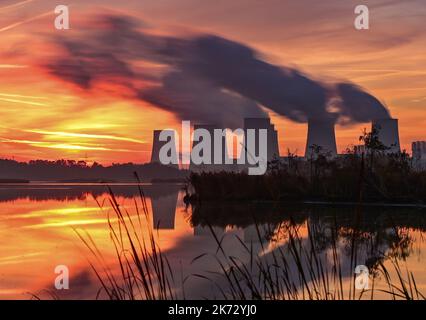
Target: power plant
419,150
272,135
419,154
157,144
388,134
321,134
227,164
211,153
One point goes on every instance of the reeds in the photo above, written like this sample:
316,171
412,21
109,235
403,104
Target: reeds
288,266
348,178
299,271
144,271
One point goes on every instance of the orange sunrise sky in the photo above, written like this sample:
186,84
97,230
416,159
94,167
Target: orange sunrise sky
45,117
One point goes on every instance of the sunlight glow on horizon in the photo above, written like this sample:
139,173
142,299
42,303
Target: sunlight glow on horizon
70,121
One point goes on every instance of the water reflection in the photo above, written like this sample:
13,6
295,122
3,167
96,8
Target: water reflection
164,208
74,191
37,221
317,240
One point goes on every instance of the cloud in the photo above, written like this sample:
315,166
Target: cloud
15,5
19,23
60,134
203,78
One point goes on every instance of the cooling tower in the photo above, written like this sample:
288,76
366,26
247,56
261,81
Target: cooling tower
387,130
272,136
157,144
419,150
419,155
212,167
321,133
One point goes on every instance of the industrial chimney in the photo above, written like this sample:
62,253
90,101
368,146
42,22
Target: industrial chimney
272,136
419,154
212,167
321,133
419,150
388,135
157,144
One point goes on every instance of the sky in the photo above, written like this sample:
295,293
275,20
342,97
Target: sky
46,116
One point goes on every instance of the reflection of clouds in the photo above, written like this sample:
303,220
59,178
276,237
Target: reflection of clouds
32,251
369,247
43,236
82,286
70,192
69,223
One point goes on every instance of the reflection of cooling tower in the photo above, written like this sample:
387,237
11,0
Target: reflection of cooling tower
200,231
157,144
272,136
388,133
321,133
259,234
163,211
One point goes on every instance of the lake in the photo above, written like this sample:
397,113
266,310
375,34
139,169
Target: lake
40,224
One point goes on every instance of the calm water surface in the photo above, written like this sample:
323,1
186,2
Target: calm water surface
38,222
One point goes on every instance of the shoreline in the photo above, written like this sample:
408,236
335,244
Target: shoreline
318,203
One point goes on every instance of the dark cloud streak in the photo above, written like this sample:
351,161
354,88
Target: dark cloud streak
206,78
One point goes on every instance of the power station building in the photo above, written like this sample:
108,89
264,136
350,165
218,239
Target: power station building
388,134
228,163
157,144
216,157
321,134
272,136
419,150
419,154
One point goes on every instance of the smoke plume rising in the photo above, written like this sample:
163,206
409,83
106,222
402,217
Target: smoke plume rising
203,78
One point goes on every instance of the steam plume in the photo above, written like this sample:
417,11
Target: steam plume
204,78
